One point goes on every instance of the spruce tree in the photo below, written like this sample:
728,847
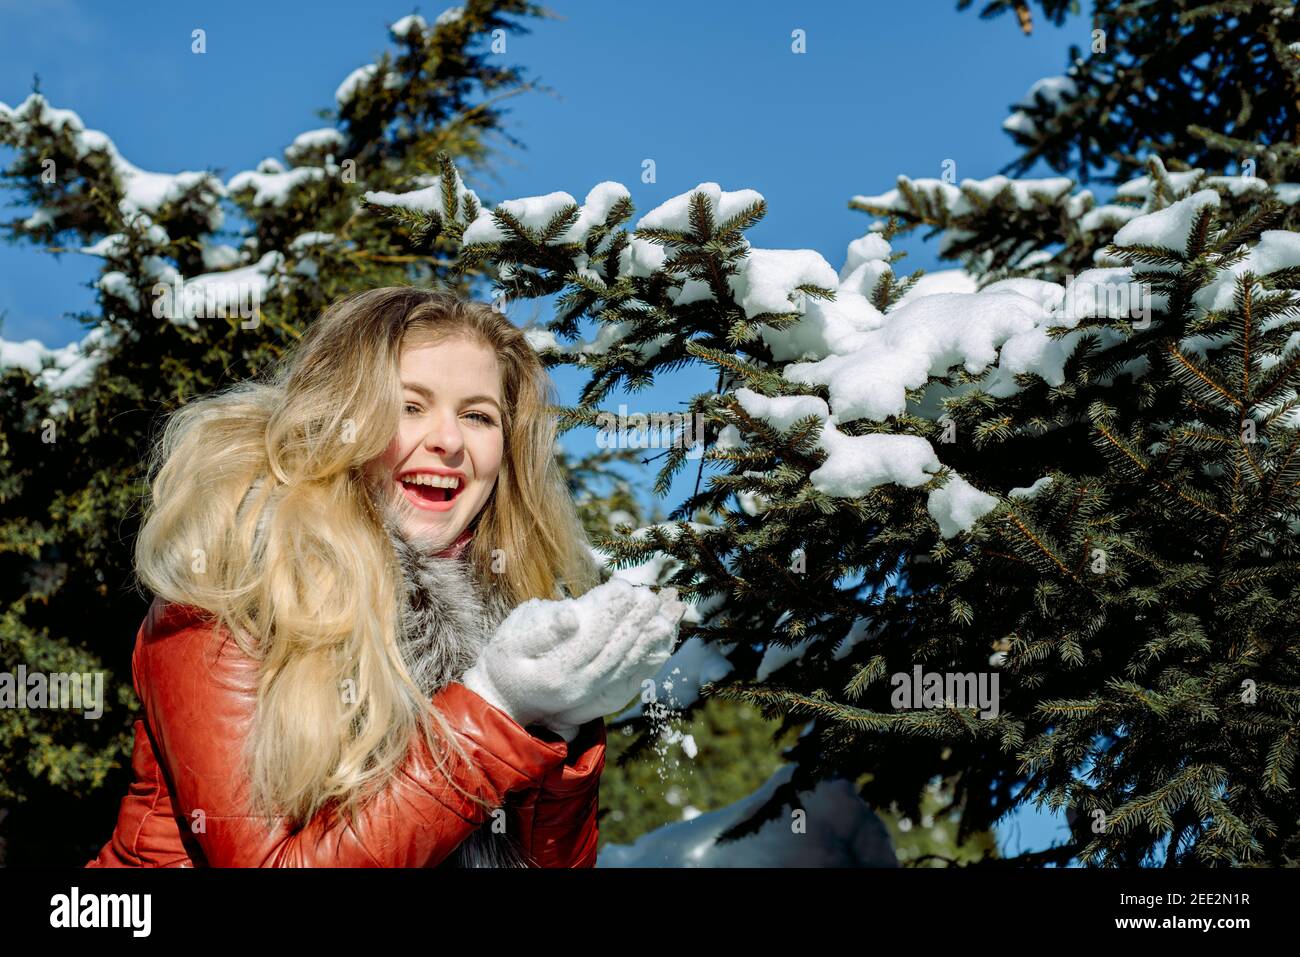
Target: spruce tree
1087,490
1076,474
1210,83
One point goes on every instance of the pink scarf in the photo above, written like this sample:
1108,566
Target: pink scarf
457,548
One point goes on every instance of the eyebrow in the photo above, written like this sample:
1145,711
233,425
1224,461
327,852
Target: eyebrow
469,400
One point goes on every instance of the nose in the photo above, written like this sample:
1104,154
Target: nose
444,434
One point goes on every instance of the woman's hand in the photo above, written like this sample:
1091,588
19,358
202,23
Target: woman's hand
562,663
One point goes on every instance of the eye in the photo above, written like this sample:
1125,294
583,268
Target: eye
483,417
406,407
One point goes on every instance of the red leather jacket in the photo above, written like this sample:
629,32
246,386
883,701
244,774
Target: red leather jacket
185,806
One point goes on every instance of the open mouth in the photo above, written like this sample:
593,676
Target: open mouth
431,491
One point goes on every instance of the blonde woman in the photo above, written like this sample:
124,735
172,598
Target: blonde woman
378,637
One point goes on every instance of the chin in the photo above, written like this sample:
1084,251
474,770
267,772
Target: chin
434,539
424,525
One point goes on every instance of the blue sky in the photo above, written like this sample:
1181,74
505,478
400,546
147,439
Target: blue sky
709,91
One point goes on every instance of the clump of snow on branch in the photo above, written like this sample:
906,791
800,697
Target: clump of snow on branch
319,142
675,214
62,370
856,464
951,196
928,336
1277,249
1050,94
413,23
273,185
1169,227
142,191
768,277
450,15
536,212
429,199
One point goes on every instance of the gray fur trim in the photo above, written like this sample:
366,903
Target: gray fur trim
445,620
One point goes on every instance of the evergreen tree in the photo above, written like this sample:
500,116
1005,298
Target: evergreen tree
1140,573
1211,84
1087,492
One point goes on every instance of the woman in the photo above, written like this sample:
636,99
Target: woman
361,652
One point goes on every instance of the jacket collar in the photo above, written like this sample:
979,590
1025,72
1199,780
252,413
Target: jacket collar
445,620
446,617
446,614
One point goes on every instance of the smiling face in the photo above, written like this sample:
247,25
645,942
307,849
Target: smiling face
443,461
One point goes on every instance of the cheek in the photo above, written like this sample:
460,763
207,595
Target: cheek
390,459
487,457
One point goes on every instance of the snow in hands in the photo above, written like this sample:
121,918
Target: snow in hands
564,663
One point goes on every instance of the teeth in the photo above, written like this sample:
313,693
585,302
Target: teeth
437,481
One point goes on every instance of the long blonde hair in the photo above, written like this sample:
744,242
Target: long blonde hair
314,596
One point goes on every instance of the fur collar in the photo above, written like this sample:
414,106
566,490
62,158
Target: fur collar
446,617
443,622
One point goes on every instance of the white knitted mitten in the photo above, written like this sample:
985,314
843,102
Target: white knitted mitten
562,663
